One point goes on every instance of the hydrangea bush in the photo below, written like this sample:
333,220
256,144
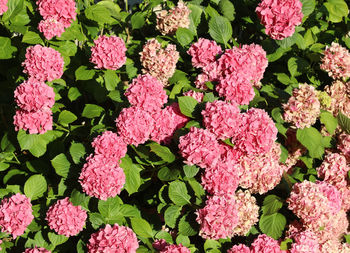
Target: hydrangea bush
175,126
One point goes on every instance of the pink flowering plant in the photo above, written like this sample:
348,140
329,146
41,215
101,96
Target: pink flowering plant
175,126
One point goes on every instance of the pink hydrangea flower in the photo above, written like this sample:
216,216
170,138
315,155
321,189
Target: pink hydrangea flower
203,52
196,95
110,145
305,242
343,145
43,63
3,6
218,218
65,218
336,61
158,61
113,239
15,214
169,21
64,11
146,92
160,244
264,244
173,248
33,95
236,88
340,101
200,81
37,250
179,119
258,132
314,203
134,125
303,107
248,212
222,118
200,147
334,170
241,248
220,179
261,173
101,178
108,52
35,122
51,28
280,17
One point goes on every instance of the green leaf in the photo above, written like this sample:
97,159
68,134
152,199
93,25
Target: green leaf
79,199
190,171
14,8
311,139
163,152
337,9
344,122
56,239
272,225
171,214
138,20
109,209
6,49
32,38
96,220
166,174
178,193
66,117
100,14
227,9
141,227
308,7
111,79
73,93
77,151
184,36
183,239
195,17
220,29
92,111
286,243
61,165
272,204
188,225
35,143
132,175
187,105
35,187
83,73
297,66
329,121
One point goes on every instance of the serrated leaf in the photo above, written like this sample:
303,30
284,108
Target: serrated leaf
132,175
344,122
171,214
312,139
92,111
35,143
111,79
141,227
188,225
337,9
272,204
56,239
6,49
77,151
138,20
166,174
190,171
187,105
79,199
32,38
83,73
227,9
109,209
66,117
220,29
35,187
184,36
308,6
163,152
273,225
178,193
61,165
297,66
329,121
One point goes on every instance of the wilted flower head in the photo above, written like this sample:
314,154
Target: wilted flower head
343,145
65,218
203,52
64,11
158,61
35,122
37,250
336,61
51,28
101,178
43,63
113,239
15,214
108,52
280,17
340,99
146,92
303,107
33,95
334,170
169,21
218,218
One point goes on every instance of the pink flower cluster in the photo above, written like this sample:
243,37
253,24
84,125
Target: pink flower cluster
57,15
65,218
15,214
336,61
34,99
280,17
158,61
218,218
303,107
113,239
3,6
196,95
340,100
108,52
169,21
204,52
343,145
164,247
37,250
261,244
43,63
